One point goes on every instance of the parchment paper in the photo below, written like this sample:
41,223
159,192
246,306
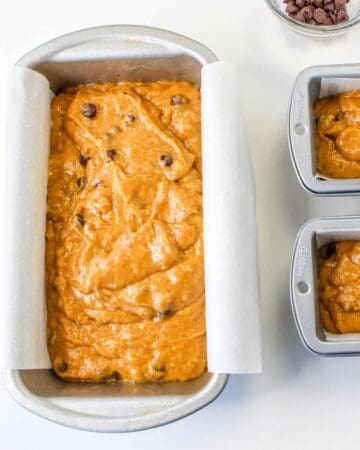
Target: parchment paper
23,177
334,86
230,243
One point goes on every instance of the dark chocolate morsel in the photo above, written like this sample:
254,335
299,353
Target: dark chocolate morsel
130,118
80,219
330,250
83,160
291,8
177,100
88,110
329,7
81,182
307,12
320,15
166,160
111,154
115,376
165,313
62,366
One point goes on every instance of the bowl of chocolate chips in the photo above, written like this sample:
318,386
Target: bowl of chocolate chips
317,17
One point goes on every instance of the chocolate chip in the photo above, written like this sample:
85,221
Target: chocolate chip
81,182
98,183
130,118
330,7
88,110
342,15
80,219
319,15
177,100
330,250
83,160
165,313
111,154
333,17
166,160
115,376
62,366
327,21
300,17
338,116
291,8
307,12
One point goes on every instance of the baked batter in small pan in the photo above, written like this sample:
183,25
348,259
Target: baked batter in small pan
125,288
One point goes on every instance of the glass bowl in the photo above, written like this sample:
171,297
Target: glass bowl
352,8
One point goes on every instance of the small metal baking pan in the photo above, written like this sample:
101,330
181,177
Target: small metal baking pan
303,285
301,130
114,53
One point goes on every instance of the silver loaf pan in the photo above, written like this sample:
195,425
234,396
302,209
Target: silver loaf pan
114,53
303,285
301,130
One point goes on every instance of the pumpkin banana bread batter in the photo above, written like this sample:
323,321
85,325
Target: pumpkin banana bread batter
339,286
338,135
125,289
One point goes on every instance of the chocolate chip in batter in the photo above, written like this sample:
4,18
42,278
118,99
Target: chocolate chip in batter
130,118
330,250
160,372
166,160
83,160
88,110
62,366
98,183
338,116
177,100
81,182
165,313
80,219
115,376
111,154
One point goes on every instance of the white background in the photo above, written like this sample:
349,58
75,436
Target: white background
300,401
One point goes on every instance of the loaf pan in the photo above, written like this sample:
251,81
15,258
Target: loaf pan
304,290
302,129
110,54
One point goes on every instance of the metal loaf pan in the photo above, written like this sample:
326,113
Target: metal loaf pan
301,130
114,53
303,285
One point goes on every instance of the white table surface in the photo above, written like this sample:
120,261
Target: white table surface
300,401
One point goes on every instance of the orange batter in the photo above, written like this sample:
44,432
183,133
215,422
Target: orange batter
339,286
125,289
338,135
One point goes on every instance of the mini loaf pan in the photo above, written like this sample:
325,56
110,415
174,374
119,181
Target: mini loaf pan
304,290
114,53
301,130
